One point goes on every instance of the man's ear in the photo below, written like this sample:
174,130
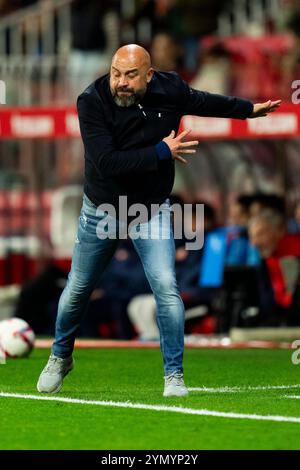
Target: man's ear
149,75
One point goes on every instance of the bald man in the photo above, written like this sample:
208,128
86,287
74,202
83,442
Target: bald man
129,119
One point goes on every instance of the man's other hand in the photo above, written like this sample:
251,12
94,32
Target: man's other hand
178,147
263,109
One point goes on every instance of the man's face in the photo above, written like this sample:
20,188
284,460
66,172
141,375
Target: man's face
255,208
128,81
237,215
265,237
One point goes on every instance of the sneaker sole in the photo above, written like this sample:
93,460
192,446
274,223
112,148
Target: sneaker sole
184,394
60,385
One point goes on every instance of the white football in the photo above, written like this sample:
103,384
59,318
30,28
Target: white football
16,338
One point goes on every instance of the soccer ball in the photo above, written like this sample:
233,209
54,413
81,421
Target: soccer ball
16,338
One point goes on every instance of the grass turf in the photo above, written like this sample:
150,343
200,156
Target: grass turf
136,376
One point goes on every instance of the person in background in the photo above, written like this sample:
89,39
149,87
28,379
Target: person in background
238,214
262,201
88,57
166,53
279,273
214,72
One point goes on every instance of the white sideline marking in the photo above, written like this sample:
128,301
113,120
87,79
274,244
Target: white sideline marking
296,397
141,406
240,389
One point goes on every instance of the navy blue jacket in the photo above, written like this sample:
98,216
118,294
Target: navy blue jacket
121,157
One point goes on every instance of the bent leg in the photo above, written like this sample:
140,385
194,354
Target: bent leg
90,257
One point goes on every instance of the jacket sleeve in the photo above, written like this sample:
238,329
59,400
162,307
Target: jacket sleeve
203,103
99,143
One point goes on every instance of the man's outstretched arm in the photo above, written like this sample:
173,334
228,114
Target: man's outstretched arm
203,103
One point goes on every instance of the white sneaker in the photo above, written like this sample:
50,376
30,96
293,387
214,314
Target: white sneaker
174,385
52,376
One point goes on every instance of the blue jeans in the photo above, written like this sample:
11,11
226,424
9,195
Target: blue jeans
90,257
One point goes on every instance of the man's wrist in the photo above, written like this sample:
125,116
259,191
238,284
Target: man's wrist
163,150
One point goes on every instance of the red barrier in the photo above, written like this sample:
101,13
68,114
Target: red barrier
19,259
54,123
50,123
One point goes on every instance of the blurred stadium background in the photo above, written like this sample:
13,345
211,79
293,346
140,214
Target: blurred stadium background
49,52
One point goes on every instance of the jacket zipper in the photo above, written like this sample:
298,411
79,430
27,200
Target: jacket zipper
142,109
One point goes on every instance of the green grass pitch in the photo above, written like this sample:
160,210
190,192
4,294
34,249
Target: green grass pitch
135,376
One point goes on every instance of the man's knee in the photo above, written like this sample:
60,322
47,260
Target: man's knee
165,283
79,285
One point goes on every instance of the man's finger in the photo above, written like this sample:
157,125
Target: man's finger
190,143
276,103
187,151
265,105
183,134
272,105
180,159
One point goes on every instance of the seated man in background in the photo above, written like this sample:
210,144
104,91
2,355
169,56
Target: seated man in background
279,273
234,265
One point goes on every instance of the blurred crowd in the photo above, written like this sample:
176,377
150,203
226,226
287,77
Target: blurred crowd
242,65
246,275
181,35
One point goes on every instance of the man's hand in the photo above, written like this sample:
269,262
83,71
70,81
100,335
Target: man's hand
263,109
177,147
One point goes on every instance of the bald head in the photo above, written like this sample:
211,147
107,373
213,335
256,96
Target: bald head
130,74
132,55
